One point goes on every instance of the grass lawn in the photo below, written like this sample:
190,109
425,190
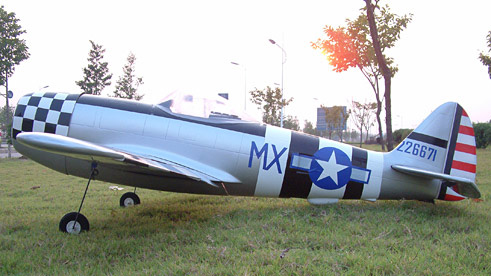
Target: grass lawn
179,234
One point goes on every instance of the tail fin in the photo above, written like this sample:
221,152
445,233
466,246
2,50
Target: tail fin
442,147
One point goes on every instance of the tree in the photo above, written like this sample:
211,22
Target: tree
401,134
486,59
336,117
128,83
291,122
482,132
309,128
13,50
353,135
351,46
96,74
383,66
6,122
363,116
270,102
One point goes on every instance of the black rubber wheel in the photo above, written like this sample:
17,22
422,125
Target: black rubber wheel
129,199
69,225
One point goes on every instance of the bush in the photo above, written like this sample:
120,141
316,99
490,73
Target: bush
482,132
401,134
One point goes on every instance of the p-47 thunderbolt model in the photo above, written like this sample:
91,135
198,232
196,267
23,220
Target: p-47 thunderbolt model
212,151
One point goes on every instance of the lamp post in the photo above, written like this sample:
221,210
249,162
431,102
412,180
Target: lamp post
245,82
283,61
8,95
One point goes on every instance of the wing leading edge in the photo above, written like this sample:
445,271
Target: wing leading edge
83,150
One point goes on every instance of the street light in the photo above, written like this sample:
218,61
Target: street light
245,82
283,61
8,95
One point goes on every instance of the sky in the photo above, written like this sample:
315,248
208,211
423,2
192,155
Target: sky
189,46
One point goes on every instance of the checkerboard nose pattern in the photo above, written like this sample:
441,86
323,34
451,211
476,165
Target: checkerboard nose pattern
44,112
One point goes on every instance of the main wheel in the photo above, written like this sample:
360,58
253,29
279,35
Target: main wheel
68,224
129,199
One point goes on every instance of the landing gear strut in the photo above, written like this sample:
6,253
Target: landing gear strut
75,222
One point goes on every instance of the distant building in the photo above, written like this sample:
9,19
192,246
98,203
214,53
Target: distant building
321,120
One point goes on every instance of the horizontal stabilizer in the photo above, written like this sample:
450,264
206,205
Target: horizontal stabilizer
465,186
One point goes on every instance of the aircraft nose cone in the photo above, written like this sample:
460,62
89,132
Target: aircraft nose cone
44,112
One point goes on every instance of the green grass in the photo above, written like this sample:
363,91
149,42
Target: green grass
179,234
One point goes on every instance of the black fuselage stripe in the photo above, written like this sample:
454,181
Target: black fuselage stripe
451,150
443,191
297,183
453,140
148,109
359,159
428,139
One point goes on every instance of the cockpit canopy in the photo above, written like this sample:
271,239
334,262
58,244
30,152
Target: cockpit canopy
203,106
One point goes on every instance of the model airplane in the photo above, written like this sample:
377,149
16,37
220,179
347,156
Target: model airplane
217,153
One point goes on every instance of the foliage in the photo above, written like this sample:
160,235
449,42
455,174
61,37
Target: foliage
309,128
127,84
13,49
353,135
362,116
486,59
401,134
6,122
336,118
181,234
96,74
291,122
352,46
482,132
270,103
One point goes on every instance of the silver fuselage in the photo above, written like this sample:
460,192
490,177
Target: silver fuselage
268,161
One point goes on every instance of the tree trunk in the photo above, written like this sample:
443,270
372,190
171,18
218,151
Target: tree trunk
388,117
379,123
385,71
361,137
376,91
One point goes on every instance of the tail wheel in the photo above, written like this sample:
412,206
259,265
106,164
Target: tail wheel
74,223
129,199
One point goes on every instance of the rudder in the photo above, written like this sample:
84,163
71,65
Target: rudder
461,158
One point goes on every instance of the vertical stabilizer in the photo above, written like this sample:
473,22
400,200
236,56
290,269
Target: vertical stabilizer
443,143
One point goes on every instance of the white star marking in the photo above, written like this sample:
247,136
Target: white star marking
330,168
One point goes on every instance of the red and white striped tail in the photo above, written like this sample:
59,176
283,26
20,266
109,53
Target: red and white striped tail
464,159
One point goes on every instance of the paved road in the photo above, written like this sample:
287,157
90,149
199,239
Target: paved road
4,152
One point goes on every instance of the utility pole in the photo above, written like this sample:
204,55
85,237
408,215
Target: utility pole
283,61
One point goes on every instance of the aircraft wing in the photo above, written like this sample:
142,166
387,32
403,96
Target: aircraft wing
466,187
79,149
